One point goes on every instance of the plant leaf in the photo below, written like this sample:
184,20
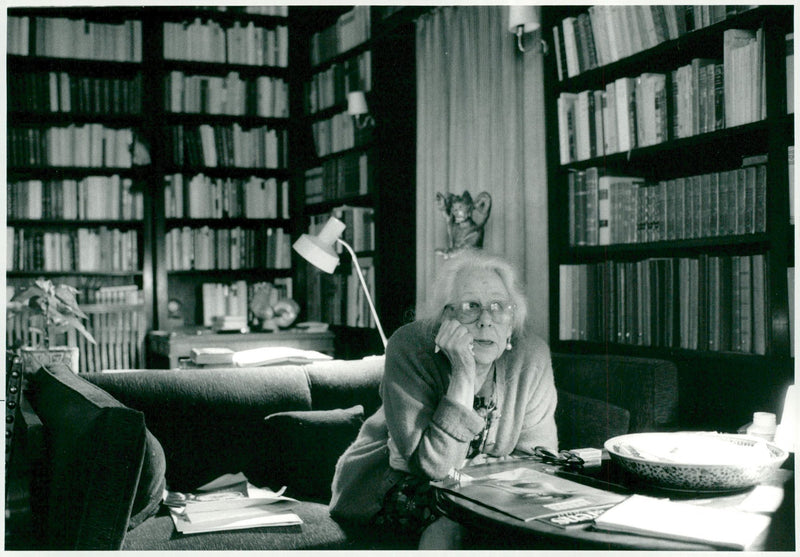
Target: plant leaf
27,294
78,326
66,295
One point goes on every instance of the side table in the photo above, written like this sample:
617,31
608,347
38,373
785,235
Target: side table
167,349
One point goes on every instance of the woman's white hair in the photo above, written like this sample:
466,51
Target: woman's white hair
469,260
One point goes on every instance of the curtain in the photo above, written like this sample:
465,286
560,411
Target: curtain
480,127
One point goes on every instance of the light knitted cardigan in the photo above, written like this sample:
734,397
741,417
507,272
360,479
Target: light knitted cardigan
430,433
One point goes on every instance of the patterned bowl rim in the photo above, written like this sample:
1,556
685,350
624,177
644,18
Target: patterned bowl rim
778,455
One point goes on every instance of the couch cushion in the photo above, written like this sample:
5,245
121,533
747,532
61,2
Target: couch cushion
587,422
150,490
95,447
345,383
302,449
209,420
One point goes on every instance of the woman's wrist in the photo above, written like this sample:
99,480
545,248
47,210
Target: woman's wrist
462,387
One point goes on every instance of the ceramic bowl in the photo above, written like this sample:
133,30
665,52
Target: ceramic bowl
697,461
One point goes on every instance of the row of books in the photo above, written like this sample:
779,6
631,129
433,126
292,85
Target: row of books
609,209
87,145
705,95
117,294
278,11
234,299
359,223
338,299
83,249
205,248
90,198
330,86
240,43
63,37
709,302
745,84
228,146
224,299
259,96
347,175
201,196
63,92
337,134
607,33
350,30
91,289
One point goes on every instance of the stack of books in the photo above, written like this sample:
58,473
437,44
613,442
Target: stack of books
230,502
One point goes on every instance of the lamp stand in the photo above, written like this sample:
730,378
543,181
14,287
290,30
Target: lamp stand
364,287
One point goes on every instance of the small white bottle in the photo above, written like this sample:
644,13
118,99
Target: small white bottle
763,425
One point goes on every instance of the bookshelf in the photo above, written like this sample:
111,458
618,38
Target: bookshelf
152,146
364,176
76,212
670,233
220,84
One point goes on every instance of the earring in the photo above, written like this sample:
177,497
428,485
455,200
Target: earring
508,344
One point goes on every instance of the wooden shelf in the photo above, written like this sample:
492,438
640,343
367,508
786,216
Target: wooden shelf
80,66
196,67
244,120
63,223
226,222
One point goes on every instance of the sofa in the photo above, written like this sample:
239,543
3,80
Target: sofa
96,451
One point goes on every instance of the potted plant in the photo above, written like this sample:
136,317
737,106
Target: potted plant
58,312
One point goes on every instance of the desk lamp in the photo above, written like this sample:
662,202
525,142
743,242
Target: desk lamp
319,251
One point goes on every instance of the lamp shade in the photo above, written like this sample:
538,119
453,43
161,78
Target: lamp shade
527,17
356,103
319,250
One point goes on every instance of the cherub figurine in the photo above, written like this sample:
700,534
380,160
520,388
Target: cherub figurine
465,220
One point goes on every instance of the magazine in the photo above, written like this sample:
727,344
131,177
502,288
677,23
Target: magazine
528,490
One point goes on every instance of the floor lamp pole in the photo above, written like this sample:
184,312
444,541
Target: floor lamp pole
364,287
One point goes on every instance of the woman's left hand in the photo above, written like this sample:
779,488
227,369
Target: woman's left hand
486,459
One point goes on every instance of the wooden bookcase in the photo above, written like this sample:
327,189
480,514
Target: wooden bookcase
721,385
386,190
75,192
233,127
199,64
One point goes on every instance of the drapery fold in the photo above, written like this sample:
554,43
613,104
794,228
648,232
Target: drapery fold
480,127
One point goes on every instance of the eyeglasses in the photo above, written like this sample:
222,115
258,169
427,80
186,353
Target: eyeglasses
469,311
568,459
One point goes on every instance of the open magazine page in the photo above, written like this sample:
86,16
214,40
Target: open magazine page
529,490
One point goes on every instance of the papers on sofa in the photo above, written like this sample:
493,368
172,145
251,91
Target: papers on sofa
525,490
662,518
228,503
276,355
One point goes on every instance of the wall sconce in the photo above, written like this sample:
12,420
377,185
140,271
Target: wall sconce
357,108
525,19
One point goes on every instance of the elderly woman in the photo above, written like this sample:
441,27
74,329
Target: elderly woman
464,384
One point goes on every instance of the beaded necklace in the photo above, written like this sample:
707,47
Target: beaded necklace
487,409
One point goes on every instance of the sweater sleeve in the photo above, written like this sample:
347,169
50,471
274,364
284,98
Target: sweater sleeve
430,431
539,426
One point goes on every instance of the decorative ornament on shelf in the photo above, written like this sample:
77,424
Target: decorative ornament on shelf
271,315
466,219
